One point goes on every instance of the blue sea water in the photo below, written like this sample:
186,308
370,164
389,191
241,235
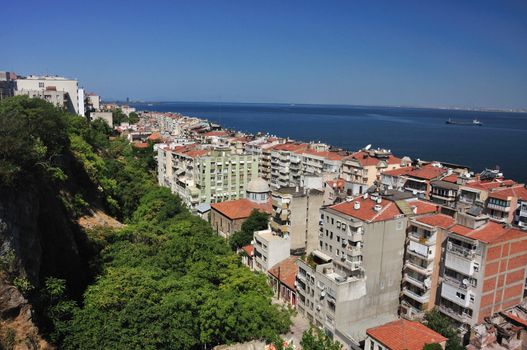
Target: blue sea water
415,132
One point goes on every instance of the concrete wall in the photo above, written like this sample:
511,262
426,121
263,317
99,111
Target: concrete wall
61,84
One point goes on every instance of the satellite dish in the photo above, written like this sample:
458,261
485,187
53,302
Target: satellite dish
323,293
367,147
465,281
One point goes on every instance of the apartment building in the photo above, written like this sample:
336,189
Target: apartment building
7,84
286,164
351,282
363,168
419,180
321,163
227,217
503,203
295,215
60,91
200,175
485,265
425,237
269,250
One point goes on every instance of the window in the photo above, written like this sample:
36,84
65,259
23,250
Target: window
41,85
343,226
472,298
460,295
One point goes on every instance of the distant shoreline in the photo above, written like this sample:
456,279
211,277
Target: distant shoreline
467,109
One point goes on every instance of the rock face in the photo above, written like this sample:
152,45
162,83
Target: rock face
37,239
17,330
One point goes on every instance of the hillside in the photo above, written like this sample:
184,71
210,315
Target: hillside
162,280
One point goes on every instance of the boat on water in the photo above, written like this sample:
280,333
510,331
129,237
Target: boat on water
474,122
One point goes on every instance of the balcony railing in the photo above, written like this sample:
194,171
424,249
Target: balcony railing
416,282
423,298
416,267
461,317
419,237
462,251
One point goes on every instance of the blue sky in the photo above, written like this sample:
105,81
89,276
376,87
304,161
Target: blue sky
429,53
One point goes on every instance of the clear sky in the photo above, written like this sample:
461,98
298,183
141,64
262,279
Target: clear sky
429,53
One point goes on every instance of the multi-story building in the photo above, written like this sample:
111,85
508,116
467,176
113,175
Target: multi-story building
363,168
352,281
485,266
286,164
419,180
94,101
295,214
7,84
49,87
227,217
321,163
426,235
269,249
200,175
503,203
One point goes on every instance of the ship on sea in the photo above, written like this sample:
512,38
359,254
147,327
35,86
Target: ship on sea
474,122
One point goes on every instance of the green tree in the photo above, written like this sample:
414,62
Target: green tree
315,339
442,325
133,118
257,221
119,117
432,346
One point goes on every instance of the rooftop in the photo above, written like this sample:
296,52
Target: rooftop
286,271
405,335
428,172
369,158
518,191
491,232
240,208
437,220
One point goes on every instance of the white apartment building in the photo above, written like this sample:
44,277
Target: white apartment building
352,281
36,86
269,249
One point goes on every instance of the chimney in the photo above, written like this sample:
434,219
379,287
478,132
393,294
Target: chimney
356,205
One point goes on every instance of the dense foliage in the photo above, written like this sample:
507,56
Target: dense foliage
255,222
443,325
164,280
315,339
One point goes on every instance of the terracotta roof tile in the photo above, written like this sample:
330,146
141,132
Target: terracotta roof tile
365,159
491,232
437,220
286,271
405,335
240,208
427,172
518,192
398,171
366,212
248,249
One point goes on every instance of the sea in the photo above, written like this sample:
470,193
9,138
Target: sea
501,142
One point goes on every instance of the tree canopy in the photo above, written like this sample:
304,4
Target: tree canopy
257,221
164,280
442,325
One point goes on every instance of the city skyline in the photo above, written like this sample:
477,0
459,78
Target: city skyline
437,55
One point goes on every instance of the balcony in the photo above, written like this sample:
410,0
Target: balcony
457,283
424,270
461,251
420,238
456,294
425,284
354,251
423,298
461,317
498,207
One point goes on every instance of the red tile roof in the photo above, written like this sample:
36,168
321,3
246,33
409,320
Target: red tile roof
399,171
248,249
290,147
240,208
428,172
488,185
140,145
365,159
155,136
437,220
366,212
325,154
286,271
405,335
515,318
451,178
491,232
518,192
422,206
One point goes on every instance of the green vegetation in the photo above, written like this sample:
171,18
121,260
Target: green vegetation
119,117
433,346
442,325
255,222
133,118
315,339
165,280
